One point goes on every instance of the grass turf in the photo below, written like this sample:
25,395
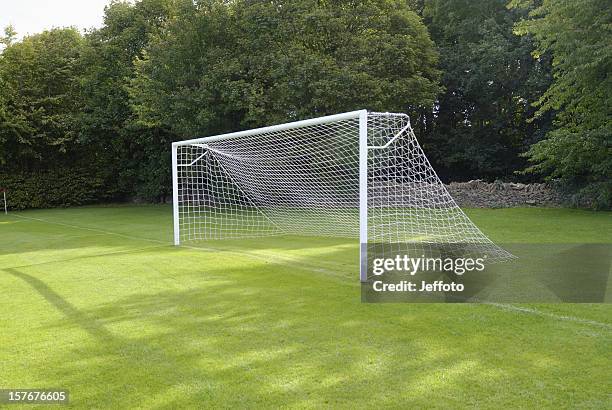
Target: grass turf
95,300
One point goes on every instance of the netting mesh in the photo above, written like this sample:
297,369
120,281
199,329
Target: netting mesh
305,181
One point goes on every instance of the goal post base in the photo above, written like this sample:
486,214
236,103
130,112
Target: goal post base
363,262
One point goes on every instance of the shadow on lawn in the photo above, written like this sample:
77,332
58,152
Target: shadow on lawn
31,234
273,334
66,308
59,246
238,341
90,256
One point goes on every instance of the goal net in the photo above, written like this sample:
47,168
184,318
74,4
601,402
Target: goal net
358,174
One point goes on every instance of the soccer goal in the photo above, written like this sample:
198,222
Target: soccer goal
358,174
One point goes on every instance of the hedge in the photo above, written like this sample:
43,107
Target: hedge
54,188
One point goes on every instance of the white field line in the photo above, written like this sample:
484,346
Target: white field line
533,311
93,230
96,255
503,306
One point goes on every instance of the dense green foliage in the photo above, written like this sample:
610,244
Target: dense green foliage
40,99
138,155
161,70
578,34
223,68
479,125
57,187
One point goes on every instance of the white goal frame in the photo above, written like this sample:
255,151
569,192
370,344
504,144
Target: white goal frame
362,117
363,170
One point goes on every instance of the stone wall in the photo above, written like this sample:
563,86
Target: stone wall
480,194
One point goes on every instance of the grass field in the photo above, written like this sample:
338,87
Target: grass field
96,301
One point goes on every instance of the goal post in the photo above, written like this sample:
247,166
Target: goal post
363,195
357,174
3,191
175,195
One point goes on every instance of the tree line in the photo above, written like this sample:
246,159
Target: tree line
516,91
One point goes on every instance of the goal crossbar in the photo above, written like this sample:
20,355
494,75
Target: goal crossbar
275,128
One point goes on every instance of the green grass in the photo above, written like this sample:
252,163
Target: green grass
95,300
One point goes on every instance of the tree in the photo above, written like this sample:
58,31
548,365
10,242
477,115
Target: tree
479,126
579,149
40,99
135,155
219,67
9,36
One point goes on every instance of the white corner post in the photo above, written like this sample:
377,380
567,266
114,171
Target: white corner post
363,195
175,194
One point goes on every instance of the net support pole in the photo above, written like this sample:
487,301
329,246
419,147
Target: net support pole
175,194
363,196
5,207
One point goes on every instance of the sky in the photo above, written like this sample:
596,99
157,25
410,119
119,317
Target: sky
34,16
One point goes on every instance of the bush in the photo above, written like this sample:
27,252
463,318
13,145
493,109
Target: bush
55,188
